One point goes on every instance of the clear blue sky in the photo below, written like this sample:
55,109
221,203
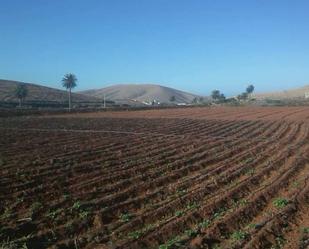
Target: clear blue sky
193,45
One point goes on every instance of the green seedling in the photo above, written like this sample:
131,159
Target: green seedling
125,217
179,213
7,213
36,207
204,224
191,233
171,243
280,202
135,234
239,235
76,206
84,214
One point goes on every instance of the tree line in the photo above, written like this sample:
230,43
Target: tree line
69,81
219,97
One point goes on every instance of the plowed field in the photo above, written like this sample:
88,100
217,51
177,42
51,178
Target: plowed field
173,178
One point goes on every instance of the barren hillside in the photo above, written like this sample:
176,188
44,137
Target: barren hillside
142,93
302,92
39,93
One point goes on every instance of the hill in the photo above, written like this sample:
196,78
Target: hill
39,93
297,93
141,93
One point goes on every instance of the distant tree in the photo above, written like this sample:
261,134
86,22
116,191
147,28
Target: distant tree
69,82
21,92
201,99
172,98
217,96
222,97
250,89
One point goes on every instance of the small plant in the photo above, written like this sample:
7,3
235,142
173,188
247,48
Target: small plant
181,192
179,213
251,225
138,233
280,241
69,227
76,206
250,172
295,184
36,207
280,202
8,245
191,233
66,196
19,200
303,241
126,217
135,234
204,224
192,206
53,214
239,235
243,202
171,243
84,214
7,213
220,212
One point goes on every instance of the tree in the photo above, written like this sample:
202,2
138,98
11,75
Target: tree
21,92
172,98
250,89
69,82
222,97
216,95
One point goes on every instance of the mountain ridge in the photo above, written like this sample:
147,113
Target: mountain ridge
142,92
293,93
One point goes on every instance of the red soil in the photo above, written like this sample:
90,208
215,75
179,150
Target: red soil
183,178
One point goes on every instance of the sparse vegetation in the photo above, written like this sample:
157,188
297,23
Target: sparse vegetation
125,217
218,96
161,187
239,235
280,202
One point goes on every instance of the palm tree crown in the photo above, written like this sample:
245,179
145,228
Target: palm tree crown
69,81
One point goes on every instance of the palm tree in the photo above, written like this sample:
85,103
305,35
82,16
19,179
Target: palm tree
69,81
21,92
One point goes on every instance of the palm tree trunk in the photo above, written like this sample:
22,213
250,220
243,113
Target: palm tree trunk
70,99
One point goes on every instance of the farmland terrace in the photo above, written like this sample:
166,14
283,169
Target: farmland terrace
172,178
